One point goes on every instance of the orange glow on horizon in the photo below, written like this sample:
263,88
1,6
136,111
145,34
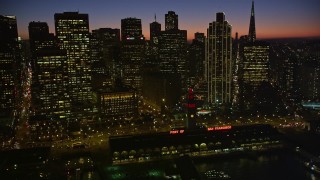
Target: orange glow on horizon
270,33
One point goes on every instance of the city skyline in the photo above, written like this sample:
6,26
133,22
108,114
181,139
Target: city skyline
286,19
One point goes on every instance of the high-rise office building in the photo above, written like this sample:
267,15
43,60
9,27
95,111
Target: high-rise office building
219,60
131,29
39,38
37,32
171,21
105,48
173,52
132,52
255,63
255,57
252,27
72,31
155,29
51,82
196,56
235,70
9,60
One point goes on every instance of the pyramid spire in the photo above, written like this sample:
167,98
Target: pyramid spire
252,27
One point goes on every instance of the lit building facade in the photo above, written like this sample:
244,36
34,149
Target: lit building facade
155,29
9,59
131,29
173,52
132,52
51,82
39,38
171,21
72,31
218,65
203,142
255,64
255,57
116,102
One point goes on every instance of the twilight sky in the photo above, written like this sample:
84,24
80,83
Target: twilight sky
274,18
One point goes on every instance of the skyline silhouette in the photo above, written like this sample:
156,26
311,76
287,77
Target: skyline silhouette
274,19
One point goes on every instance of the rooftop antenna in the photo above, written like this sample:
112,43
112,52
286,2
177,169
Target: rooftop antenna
155,18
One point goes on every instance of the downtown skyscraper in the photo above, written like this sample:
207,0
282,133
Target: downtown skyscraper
38,33
219,60
196,56
105,50
173,47
155,29
255,57
132,52
72,31
9,60
50,97
255,63
50,92
171,21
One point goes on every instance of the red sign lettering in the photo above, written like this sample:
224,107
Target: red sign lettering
181,131
219,128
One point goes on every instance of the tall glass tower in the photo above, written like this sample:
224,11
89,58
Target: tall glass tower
72,31
218,60
9,60
132,52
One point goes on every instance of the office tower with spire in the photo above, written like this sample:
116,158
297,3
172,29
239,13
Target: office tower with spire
132,52
155,29
9,60
72,31
171,21
252,27
219,60
255,57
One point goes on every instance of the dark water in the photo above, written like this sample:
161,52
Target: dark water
276,165
271,166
